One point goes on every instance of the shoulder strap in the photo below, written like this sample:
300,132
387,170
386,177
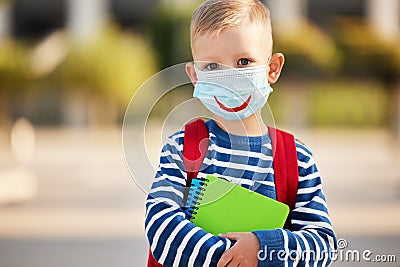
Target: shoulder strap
285,167
195,146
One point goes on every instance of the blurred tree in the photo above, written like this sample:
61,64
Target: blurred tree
348,103
368,56
14,75
309,54
309,51
169,31
108,68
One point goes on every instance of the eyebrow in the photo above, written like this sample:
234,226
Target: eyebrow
238,56
210,59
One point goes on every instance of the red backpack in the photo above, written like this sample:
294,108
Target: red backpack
195,146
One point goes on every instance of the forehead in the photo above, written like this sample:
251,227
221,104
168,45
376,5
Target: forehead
246,37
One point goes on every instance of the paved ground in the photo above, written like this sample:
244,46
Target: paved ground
87,211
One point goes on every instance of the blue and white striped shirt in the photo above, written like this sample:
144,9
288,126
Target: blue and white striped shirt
247,161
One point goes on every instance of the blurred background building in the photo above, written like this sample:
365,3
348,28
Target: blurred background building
360,36
68,69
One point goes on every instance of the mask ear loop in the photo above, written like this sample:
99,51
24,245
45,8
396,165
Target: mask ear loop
268,62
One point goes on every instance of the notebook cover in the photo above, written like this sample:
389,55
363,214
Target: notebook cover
221,207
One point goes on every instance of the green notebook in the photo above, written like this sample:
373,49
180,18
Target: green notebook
219,206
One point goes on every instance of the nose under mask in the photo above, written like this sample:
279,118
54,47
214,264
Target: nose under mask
233,94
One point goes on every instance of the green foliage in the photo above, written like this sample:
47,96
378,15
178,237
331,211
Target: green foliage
113,64
307,49
170,34
365,52
348,103
13,66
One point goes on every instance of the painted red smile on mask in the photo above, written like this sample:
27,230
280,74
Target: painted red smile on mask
235,109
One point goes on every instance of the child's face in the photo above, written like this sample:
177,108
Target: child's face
245,45
240,46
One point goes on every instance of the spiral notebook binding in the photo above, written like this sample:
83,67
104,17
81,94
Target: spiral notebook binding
195,196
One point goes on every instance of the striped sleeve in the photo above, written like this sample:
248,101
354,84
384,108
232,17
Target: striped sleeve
173,239
312,241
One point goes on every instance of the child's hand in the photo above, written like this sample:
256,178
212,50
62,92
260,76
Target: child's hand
243,253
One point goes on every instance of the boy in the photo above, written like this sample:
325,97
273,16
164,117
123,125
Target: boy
236,34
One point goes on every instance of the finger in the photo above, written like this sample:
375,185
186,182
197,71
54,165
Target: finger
233,263
225,259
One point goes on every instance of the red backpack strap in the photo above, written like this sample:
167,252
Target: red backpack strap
151,261
285,167
195,146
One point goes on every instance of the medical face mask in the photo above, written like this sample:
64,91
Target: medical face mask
233,94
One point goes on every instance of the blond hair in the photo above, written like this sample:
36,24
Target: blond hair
214,16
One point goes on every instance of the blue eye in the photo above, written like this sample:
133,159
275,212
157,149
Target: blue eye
244,62
212,66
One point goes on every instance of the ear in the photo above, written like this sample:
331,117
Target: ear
190,71
275,67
